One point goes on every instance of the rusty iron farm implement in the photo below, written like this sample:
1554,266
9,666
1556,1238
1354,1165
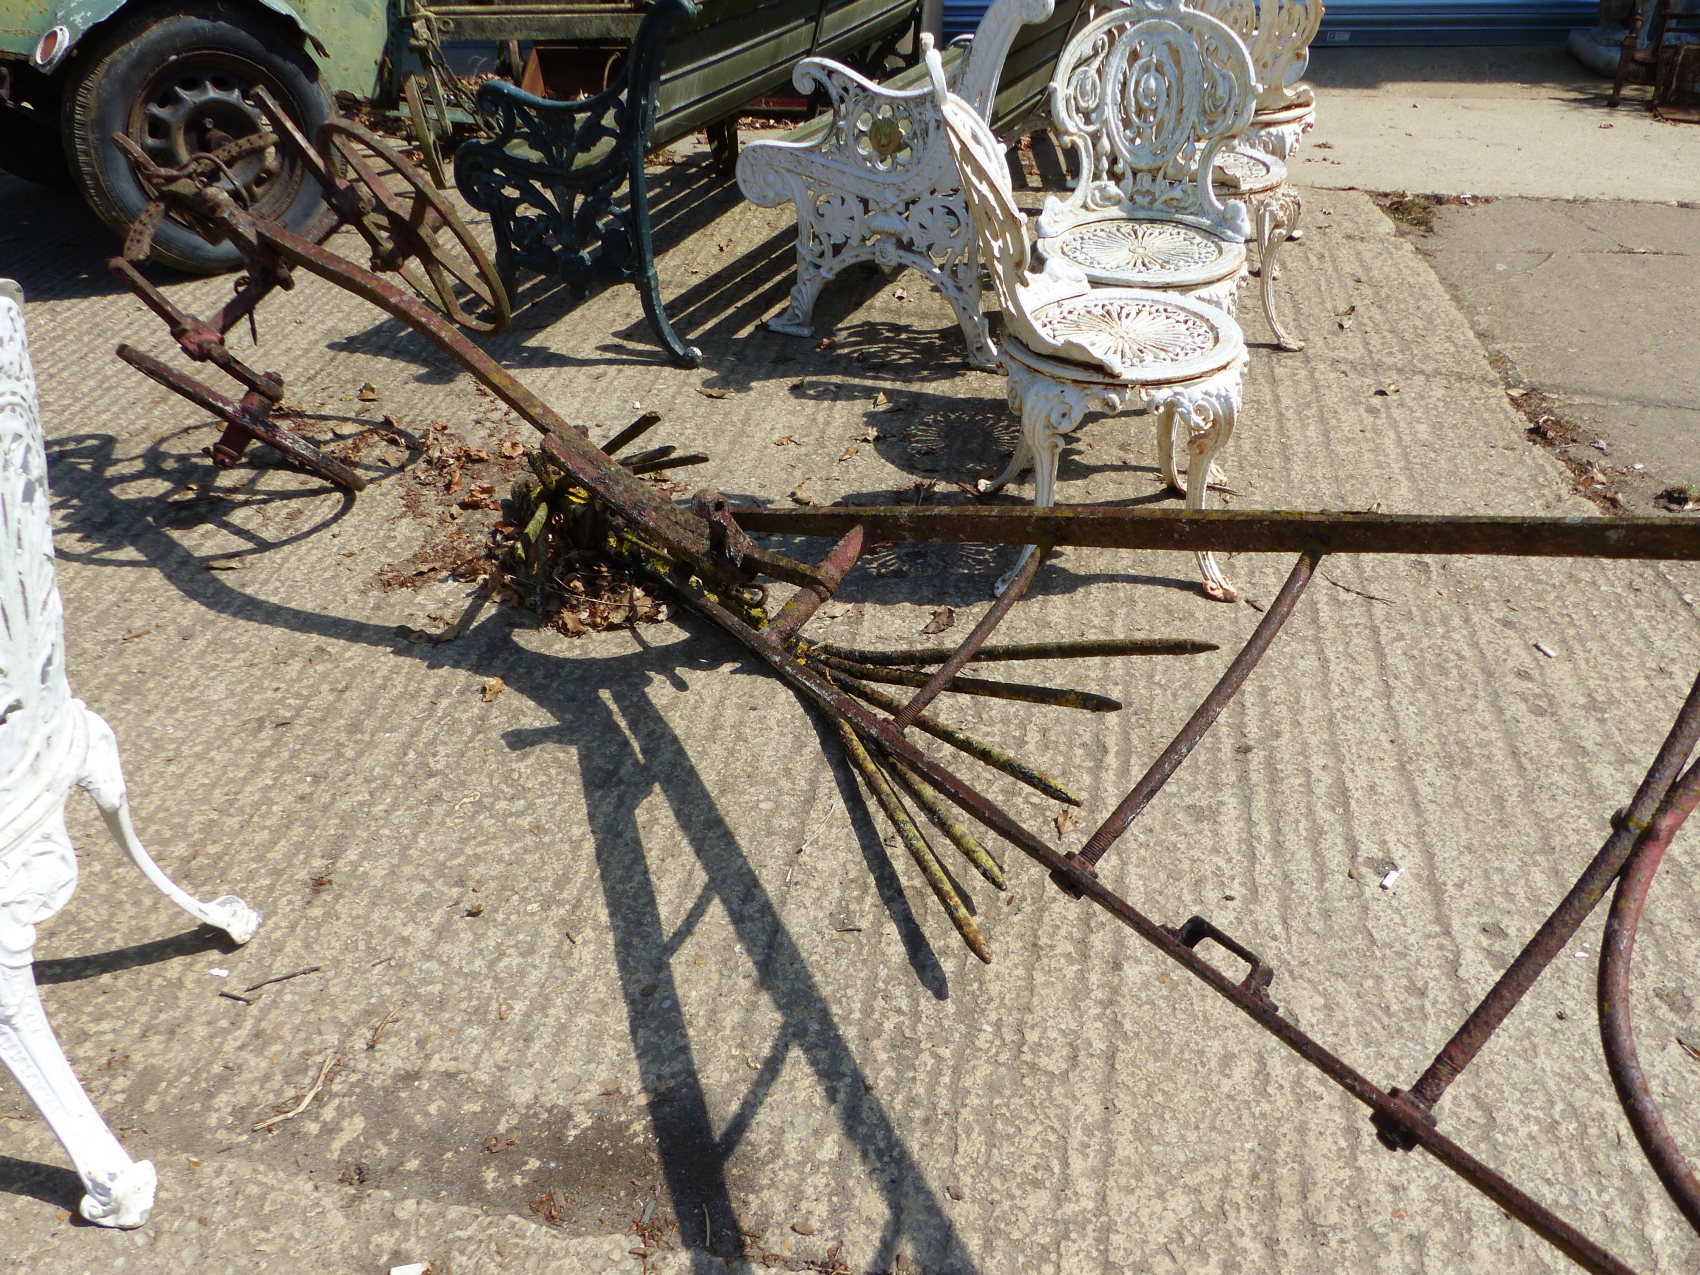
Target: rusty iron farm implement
704,554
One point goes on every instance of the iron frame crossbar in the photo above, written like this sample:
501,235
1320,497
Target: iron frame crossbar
1246,531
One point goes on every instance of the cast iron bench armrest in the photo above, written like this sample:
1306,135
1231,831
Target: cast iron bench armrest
872,179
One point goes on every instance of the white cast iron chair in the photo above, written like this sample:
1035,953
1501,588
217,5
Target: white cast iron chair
1246,173
49,744
878,184
1286,105
1069,348
1147,95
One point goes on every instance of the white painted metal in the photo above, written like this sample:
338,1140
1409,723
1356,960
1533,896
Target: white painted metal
1147,96
1070,348
879,184
49,744
1277,35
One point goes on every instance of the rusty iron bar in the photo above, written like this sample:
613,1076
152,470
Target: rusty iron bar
631,433
668,462
246,420
945,820
1056,697
1617,1032
996,758
1558,929
1085,648
1254,1003
809,598
946,675
1151,783
1247,531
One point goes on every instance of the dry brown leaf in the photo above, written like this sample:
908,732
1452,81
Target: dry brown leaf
869,435
706,392
943,618
786,440
826,343
1067,821
512,448
493,687
801,497
848,453
368,393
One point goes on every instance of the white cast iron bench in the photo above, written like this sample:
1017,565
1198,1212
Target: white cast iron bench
872,179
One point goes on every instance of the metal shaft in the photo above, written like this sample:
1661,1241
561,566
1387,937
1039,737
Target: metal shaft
1151,783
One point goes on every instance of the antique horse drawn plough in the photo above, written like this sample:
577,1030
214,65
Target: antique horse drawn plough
703,553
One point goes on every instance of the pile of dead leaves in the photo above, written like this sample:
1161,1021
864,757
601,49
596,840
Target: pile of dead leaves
451,479
585,593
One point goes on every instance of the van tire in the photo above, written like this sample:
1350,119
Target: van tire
175,80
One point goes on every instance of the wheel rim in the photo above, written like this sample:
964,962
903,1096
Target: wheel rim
199,102
415,232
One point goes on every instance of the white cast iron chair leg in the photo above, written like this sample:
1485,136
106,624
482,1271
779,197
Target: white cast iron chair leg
1207,411
1277,221
1050,412
1172,443
41,877
103,779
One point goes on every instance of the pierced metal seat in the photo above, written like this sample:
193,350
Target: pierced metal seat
1069,348
1147,96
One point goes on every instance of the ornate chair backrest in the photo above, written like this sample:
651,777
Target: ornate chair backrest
981,68
1147,95
1277,34
1281,50
1006,246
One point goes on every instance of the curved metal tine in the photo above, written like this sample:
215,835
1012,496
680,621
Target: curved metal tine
1617,1031
1002,652
1055,696
963,742
943,817
983,630
452,265
913,840
1151,783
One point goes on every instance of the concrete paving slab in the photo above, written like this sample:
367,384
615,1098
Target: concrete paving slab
1513,121
1592,305
698,974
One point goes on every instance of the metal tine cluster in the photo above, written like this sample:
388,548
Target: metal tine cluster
889,778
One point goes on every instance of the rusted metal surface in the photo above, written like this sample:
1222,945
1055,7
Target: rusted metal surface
1617,1032
1246,530
409,228
704,553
